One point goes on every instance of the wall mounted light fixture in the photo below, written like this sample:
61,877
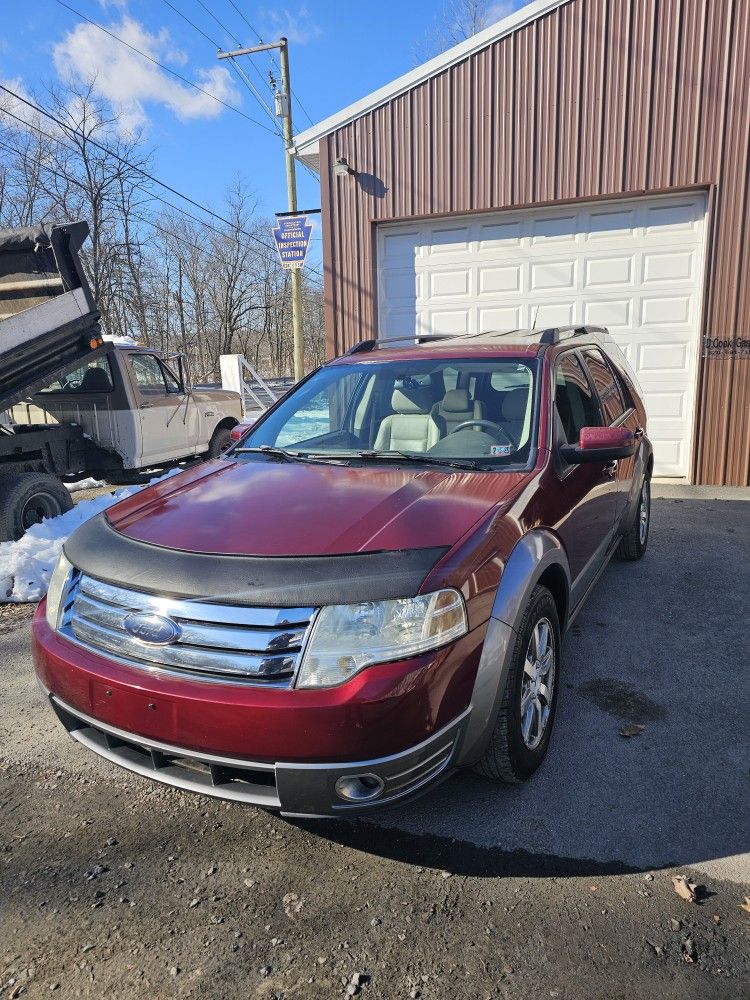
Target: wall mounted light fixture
341,167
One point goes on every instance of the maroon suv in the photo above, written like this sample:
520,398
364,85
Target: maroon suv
370,588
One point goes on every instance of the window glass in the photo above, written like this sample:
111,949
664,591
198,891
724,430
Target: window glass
610,393
574,400
96,376
311,419
151,375
421,407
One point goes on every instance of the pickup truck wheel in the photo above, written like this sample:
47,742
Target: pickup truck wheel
27,499
521,735
633,543
220,441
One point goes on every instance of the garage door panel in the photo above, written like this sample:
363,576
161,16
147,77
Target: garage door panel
603,272
500,318
500,236
499,279
677,216
666,310
635,267
558,228
553,274
449,284
672,266
612,313
609,223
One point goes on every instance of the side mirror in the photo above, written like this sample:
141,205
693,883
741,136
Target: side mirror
600,444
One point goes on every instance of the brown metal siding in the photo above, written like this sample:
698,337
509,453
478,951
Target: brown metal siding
598,98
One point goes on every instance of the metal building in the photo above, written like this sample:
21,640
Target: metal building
579,161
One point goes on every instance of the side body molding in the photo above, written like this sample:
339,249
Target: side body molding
532,555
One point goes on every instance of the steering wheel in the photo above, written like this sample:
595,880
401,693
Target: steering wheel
486,424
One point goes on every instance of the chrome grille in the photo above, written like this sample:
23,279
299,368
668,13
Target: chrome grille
215,641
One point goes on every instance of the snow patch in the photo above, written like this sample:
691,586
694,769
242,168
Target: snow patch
26,565
124,341
85,484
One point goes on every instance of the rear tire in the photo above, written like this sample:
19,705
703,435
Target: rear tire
520,739
28,499
634,542
220,440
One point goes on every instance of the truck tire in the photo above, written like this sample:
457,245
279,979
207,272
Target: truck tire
28,499
220,441
519,740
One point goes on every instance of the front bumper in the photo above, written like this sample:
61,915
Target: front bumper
295,789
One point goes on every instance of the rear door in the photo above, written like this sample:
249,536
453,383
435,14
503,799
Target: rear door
588,492
162,408
616,412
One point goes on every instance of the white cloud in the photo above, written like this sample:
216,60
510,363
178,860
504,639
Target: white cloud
16,107
298,26
129,82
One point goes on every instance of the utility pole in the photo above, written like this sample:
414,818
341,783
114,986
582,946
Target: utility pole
291,183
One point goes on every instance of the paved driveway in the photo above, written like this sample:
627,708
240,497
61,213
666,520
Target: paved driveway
664,642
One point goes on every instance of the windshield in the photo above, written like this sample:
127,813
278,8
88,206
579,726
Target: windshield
481,413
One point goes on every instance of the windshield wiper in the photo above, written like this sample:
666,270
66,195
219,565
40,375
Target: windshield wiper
288,456
454,463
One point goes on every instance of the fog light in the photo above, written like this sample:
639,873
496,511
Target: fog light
359,787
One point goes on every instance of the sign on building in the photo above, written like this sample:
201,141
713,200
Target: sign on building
292,235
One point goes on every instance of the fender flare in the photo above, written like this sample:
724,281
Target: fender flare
532,555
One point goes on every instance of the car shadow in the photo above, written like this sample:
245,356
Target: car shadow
662,644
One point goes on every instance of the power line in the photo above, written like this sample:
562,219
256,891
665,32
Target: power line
121,159
164,201
273,64
156,62
142,218
235,65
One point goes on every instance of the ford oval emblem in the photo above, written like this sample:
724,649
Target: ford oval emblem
153,629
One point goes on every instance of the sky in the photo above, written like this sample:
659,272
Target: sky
339,52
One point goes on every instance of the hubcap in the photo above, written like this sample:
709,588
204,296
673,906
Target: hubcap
538,683
38,507
643,513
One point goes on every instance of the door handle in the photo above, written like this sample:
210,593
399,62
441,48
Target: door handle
146,406
611,468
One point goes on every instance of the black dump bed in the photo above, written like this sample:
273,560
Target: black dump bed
48,318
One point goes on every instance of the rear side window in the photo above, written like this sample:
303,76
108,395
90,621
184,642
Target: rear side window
574,400
607,386
96,376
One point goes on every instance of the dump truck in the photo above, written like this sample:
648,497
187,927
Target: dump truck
74,404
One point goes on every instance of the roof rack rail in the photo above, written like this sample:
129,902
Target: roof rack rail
557,334
413,339
551,335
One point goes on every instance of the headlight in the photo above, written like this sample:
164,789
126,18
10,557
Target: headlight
346,638
56,590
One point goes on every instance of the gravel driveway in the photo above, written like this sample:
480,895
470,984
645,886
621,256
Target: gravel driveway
112,886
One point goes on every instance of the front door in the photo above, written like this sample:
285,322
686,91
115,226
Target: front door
162,407
589,490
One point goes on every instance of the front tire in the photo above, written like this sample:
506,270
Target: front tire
521,736
221,439
635,540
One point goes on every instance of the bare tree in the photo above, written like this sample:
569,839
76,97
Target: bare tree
459,20
161,277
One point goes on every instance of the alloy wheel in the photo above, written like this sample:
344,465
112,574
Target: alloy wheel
538,683
644,511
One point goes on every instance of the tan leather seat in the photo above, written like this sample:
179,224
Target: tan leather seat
456,408
514,414
411,427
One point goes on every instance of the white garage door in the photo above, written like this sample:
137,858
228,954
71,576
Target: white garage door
634,266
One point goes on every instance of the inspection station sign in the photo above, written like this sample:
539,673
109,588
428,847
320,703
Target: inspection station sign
292,235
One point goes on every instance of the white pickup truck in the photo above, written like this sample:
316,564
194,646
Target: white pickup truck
74,404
